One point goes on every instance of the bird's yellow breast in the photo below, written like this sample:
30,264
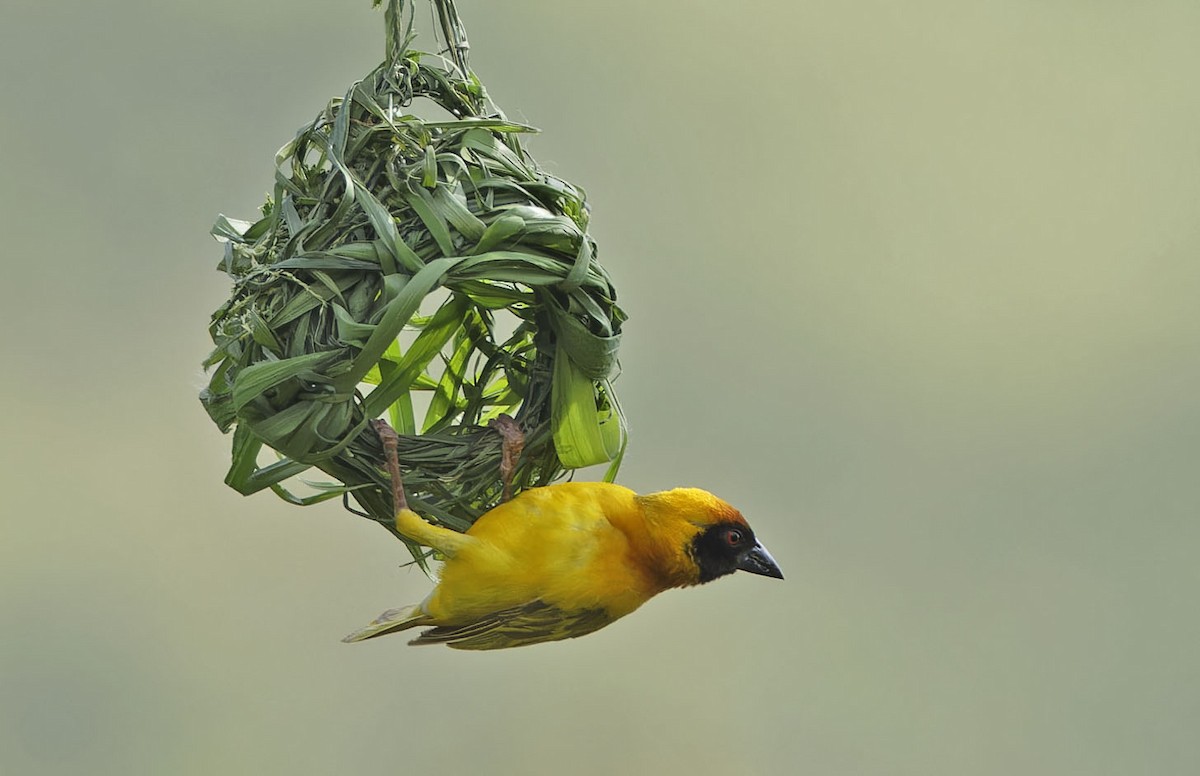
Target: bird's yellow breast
569,545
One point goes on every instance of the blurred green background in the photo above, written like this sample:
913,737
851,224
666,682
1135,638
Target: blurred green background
913,284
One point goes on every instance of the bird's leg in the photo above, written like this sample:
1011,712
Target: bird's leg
513,443
407,522
391,457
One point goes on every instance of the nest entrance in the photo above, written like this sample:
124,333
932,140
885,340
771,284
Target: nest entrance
423,270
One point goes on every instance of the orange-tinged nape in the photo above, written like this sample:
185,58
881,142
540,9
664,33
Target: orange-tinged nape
693,505
674,521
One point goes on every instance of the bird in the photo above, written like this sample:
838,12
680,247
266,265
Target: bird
564,560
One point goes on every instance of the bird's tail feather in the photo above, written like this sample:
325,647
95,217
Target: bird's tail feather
391,621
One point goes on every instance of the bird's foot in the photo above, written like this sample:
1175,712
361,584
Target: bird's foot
511,446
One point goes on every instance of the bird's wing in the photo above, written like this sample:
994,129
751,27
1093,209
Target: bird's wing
528,624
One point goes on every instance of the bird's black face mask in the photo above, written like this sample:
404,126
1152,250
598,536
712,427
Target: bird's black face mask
724,548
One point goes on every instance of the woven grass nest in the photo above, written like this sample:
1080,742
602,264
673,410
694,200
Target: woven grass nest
420,269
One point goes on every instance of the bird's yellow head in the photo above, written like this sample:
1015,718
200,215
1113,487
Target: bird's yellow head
714,537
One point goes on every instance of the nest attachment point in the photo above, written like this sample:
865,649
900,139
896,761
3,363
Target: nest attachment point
421,269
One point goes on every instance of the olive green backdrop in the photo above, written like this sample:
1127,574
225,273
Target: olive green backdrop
913,284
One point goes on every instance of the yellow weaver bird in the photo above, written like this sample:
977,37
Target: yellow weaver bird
564,560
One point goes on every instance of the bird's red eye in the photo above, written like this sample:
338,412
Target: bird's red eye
734,537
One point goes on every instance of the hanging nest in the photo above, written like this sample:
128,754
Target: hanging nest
422,269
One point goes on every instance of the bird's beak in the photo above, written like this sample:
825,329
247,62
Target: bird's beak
759,561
